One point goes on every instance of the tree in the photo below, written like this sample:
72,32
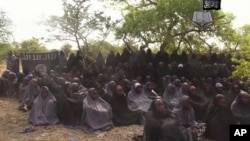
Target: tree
243,69
31,45
166,23
78,23
4,49
100,46
5,24
67,49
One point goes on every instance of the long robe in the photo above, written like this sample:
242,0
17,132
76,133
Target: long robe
172,100
96,115
161,127
241,111
218,122
138,101
200,105
186,120
43,111
149,93
121,114
100,61
31,92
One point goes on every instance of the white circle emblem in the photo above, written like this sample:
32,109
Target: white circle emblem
41,68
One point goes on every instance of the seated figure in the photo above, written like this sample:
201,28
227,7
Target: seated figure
97,113
43,111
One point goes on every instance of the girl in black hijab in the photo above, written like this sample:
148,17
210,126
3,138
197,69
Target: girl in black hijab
121,114
219,119
160,124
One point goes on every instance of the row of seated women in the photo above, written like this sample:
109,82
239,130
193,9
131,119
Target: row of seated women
181,114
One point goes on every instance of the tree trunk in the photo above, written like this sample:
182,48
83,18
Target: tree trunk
163,45
180,41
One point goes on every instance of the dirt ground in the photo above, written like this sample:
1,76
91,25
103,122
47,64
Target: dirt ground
13,121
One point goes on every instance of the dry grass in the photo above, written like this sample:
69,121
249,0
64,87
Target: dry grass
13,121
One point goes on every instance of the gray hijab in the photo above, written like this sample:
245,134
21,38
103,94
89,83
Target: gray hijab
97,114
43,111
108,90
138,102
240,109
172,99
185,118
31,92
147,92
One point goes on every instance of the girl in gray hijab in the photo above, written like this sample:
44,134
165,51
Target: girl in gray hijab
110,87
149,91
97,113
43,111
30,94
171,97
137,100
185,117
241,108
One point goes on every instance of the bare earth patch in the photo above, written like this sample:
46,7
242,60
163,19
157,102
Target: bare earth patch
13,121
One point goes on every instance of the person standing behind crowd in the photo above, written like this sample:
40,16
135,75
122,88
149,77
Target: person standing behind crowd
11,61
62,59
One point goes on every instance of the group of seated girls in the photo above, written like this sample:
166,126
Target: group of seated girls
182,113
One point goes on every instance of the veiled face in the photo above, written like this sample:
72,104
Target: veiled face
119,90
245,99
34,82
150,86
187,103
222,102
193,90
236,89
112,85
93,94
171,90
185,87
138,89
45,93
159,106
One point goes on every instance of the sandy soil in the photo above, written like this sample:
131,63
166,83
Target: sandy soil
13,121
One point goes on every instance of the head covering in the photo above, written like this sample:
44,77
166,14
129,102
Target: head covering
185,117
218,85
97,114
138,102
147,92
108,88
31,92
43,110
137,84
240,110
180,66
172,100
217,98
